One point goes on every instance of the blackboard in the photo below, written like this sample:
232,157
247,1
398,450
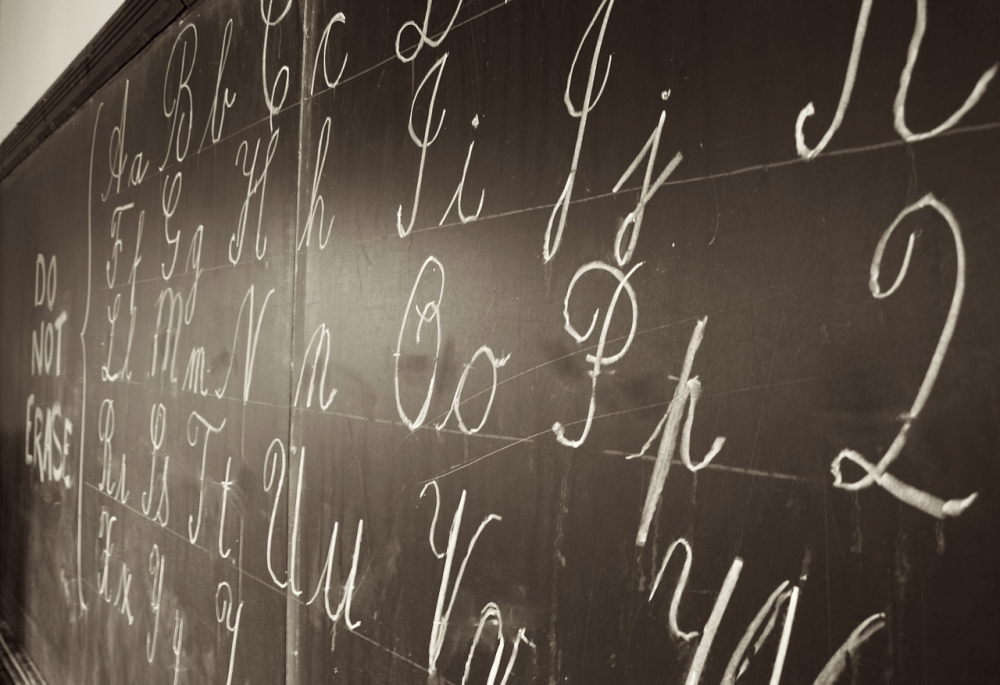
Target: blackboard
518,341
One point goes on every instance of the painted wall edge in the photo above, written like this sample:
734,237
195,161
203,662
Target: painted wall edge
121,38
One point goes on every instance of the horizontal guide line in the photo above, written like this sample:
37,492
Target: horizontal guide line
532,439
203,269
695,179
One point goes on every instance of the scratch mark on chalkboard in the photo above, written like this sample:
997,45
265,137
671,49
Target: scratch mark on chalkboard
389,651
826,563
911,185
715,194
361,486
561,511
590,604
516,441
780,384
486,315
856,539
756,437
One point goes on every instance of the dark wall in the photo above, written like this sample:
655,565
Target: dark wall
282,402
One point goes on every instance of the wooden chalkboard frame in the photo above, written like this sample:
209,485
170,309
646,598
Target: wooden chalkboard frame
15,664
782,246
121,38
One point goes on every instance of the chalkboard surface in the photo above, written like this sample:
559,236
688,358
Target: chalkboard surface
512,342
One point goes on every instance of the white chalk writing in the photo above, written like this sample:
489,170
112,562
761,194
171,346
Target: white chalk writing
430,312
598,359
121,598
157,431
253,335
806,152
491,613
876,474
41,435
590,100
321,49
253,186
157,565
105,432
899,105
194,524
422,143
180,108
213,125
423,32
688,391
322,339
274,104
634,218
439,628
224,616
316,203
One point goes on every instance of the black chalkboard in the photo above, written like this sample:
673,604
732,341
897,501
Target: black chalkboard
500,342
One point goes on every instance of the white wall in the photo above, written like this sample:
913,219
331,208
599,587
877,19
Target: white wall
38,40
